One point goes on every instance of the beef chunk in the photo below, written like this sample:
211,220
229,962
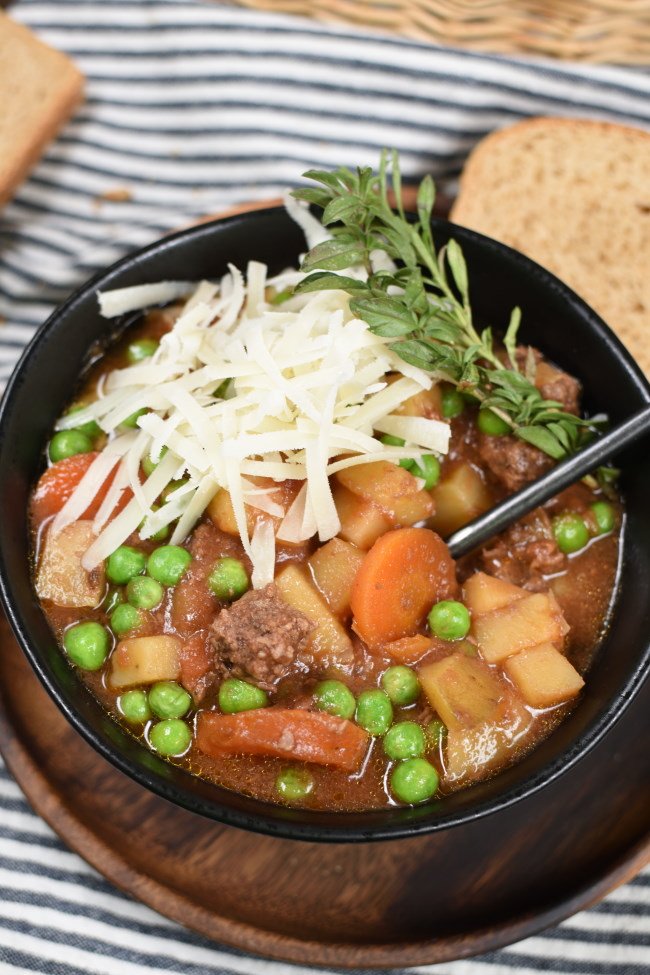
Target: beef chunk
260,635
525,553
551,381
513,462
564,388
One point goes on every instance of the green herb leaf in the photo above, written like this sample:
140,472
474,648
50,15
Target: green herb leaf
426,297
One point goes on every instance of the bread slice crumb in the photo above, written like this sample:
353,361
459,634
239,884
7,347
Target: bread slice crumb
40,88
574,195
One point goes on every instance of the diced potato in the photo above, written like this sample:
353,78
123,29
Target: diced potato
523,623
361,522
405,512
409,649
334,566
222,515
329,642
471,752
459,497
145,659
394,491
463,689
543,676
427,403
483,593
61,576
381,483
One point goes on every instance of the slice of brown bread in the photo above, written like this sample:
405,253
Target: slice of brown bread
39,89
574,195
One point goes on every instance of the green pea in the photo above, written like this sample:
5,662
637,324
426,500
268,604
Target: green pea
449,620
570,532
334,697
436,731
134,705
428,468
174,486
168,563
228,578
168,699
604,516
414,780
140,349
68,443
294,783
374,711
170,737
401,684
126,617
132,419
112,600
91,428
87,644
149,466
489,422
238,695
161,534
453,403
125,563
143,592
404,740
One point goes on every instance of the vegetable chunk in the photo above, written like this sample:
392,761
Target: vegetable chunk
463,690
537,618
403,574
145,659
459,497
483,593
57,484
334,566
61,576
328,640
544,676
310,736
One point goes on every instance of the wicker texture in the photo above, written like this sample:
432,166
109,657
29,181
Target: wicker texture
605,31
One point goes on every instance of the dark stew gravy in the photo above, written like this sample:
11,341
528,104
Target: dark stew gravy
476,709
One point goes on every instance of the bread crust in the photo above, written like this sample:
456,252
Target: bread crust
574,195
40,87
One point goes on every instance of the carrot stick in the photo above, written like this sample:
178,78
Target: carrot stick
59,481
405,572
310,736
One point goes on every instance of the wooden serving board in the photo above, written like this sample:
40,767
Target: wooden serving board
392,904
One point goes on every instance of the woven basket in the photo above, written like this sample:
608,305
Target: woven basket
606,31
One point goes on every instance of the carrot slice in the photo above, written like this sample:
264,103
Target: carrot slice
310,736
405,572
59,481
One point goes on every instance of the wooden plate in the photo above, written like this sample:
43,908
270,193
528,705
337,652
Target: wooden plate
393,904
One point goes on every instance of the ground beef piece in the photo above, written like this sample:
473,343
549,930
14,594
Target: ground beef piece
513,462
525,553
260,635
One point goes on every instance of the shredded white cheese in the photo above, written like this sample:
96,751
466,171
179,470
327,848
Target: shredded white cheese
309,391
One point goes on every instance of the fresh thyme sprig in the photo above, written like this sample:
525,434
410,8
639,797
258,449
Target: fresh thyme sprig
420,297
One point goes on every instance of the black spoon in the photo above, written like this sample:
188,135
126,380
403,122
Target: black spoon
543,488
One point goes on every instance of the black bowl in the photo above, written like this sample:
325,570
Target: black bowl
554,319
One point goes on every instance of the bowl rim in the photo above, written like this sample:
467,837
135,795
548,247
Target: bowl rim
257,815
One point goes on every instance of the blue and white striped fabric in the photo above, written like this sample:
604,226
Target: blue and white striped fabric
192,107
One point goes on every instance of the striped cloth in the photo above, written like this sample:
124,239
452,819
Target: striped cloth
192,107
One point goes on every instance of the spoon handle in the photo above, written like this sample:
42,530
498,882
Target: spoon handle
543,488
